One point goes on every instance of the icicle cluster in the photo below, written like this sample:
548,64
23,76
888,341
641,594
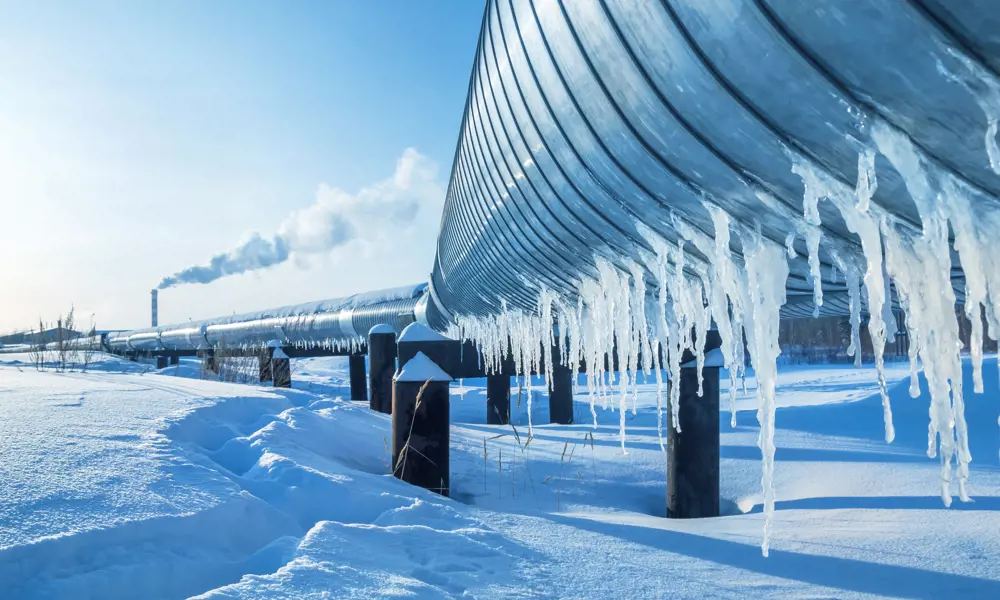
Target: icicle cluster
865,224
610,320
920,267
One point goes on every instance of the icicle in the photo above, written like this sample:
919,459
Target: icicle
637,333
812,235
992,150
545,300
679,333
767,272
867,183
866,226
975,235
814,190
659,395
921,269
790,245
888,317
854,295
727,305
658,266
616,287
671,313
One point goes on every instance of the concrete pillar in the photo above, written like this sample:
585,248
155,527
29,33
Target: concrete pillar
281,369
420,422
498,399
693,454
561,395
161,362
175,359
381,367
358,376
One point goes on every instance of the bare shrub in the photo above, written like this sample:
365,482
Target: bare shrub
237,365
65,351
34,349
38,346
90,348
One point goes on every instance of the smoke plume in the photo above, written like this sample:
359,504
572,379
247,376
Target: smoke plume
334,221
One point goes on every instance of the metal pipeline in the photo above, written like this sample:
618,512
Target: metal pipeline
335,323
586,119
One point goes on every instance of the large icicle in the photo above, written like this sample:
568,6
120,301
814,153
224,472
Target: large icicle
867,182
865,224
975,241
727,302
617,290
920,266
814,190
638,333
854,295
767,272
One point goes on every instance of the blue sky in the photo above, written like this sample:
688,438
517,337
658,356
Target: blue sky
141,138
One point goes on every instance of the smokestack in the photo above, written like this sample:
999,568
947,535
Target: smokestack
153,293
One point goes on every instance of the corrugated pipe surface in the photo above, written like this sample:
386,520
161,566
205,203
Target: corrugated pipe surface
586,118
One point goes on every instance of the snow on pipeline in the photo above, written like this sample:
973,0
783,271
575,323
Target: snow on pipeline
743,296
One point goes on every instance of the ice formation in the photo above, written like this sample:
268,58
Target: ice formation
616,329
865,224
766,272
811,231
790,244
867,182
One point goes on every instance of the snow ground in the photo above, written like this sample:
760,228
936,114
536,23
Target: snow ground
124,483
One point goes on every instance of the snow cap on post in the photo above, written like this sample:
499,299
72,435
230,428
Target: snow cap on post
419,369
713,358
418,332
381,328
279,354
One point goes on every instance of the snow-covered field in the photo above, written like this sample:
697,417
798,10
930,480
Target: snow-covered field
130,483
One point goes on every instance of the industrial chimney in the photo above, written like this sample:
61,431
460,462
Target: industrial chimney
153,293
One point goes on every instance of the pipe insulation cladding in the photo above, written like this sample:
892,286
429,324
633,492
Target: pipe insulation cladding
333,323
629,172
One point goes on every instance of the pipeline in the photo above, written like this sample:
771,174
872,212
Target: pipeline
588,120
340,324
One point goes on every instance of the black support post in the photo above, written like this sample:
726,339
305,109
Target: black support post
175,359
264,365
693,454
281,369
359,386
561,395
161,362
420,421
498,399
381,367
